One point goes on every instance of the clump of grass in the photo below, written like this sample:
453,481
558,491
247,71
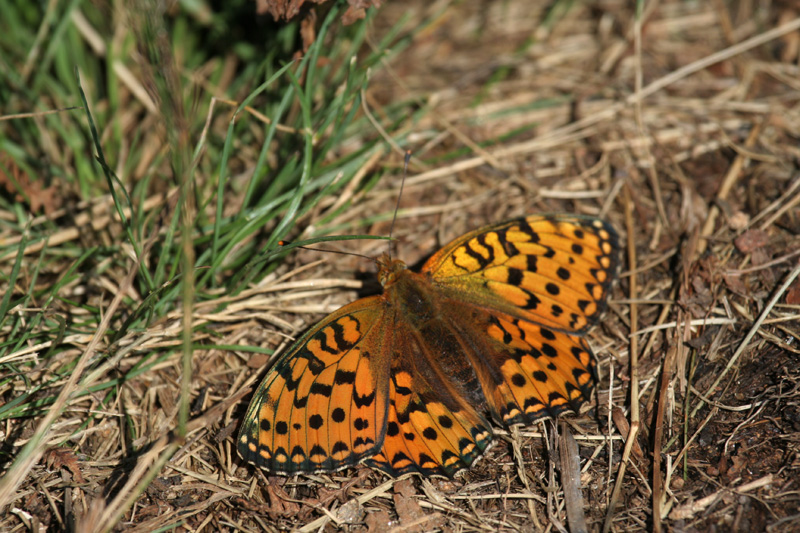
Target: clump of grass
158,213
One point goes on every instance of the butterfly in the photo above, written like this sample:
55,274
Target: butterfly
492,327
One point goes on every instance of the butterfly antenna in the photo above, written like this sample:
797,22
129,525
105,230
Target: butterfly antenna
406,159
326,250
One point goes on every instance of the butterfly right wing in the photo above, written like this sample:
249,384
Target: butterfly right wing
553,270
323,406
523,293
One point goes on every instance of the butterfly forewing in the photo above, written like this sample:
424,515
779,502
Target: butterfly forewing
323,405
551,270
533,286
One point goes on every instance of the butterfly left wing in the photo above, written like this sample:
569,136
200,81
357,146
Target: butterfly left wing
323,405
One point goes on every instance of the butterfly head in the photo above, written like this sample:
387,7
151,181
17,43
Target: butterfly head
388,269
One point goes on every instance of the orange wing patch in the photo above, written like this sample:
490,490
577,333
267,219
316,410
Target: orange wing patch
428,438
555,373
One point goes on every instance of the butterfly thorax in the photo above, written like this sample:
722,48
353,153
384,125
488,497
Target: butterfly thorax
410,294
389,269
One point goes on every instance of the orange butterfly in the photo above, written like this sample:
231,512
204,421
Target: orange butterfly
493,326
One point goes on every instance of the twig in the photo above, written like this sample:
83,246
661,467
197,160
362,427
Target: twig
689,510
571,480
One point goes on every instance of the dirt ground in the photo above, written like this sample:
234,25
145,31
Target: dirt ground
681,130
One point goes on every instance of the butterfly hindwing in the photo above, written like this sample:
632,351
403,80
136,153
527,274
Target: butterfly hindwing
433,427
527,371
323,405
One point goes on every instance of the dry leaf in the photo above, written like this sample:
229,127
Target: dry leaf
23,188
378,522
57,458
751,240
288,9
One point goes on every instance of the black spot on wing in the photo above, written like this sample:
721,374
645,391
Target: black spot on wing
509,247
489,250
481,260
300,402
315,365
321,389
526,228
344,377
363,400
548,350
317,451
338,336
430,433
315,421
532,263
360,442
297,451
340,446
515,276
